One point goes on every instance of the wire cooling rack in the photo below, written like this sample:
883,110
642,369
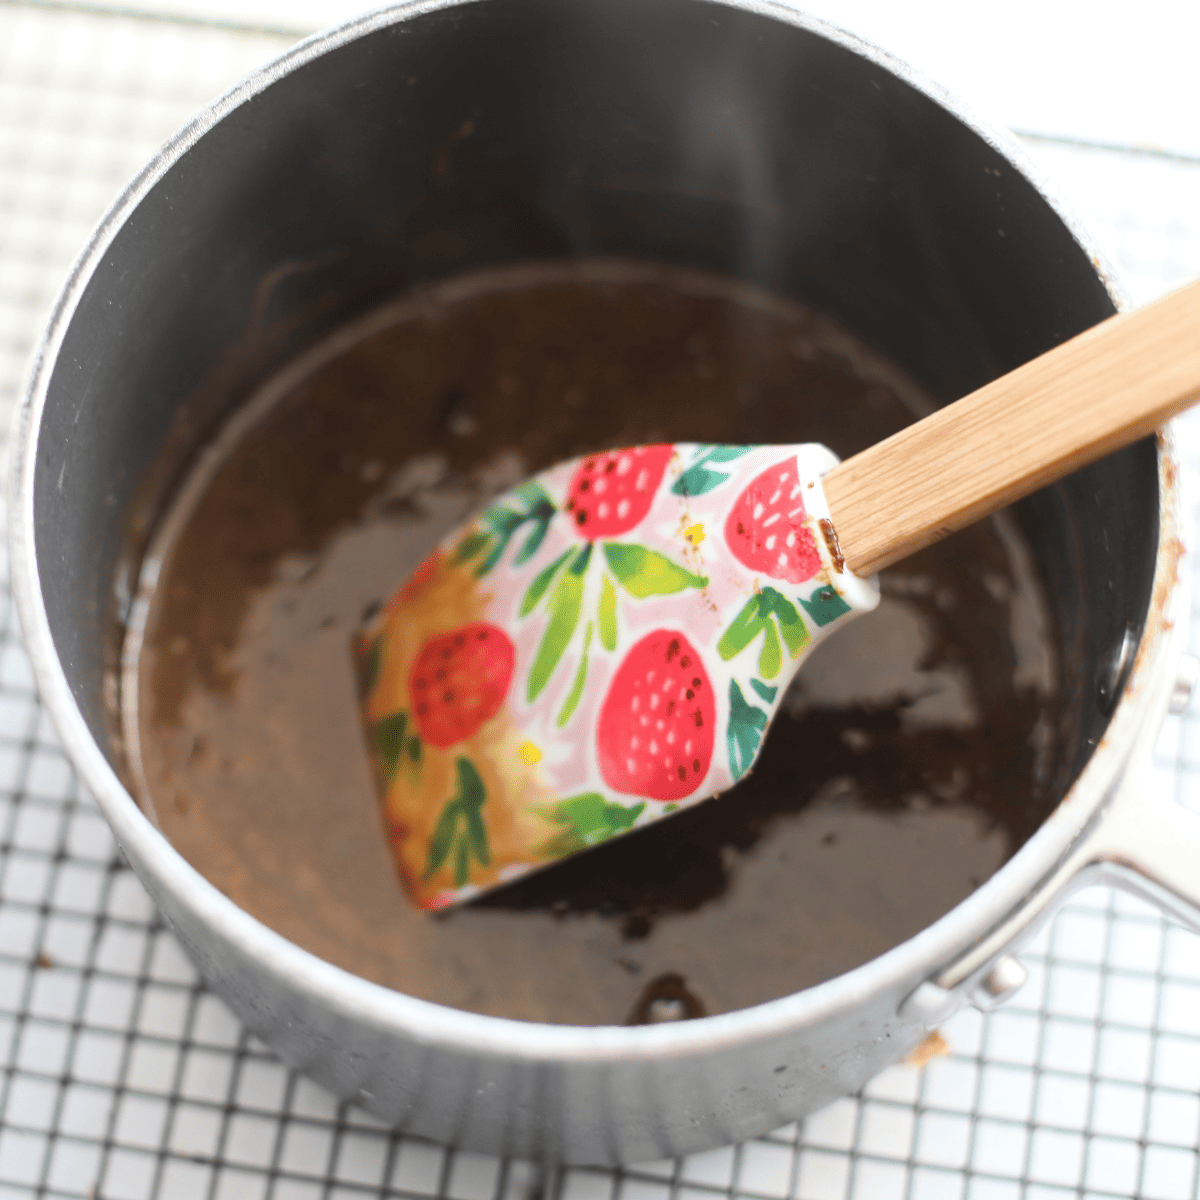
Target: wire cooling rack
125,1079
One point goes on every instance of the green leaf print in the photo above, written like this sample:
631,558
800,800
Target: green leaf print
460,829
643,572
388,736
533,496
743,629
576,692
498,523
759,616
499,518
471,797
504,529
766,693
698,479
478,836
744,735
770,658
442,841
587,820
724,454
533,543
564,617
471,792
469,547
825,605
791,623
608,614
539,509
537,589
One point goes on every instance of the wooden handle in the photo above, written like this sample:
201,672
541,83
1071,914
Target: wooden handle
1100,391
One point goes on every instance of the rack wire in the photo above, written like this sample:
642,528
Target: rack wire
123,1078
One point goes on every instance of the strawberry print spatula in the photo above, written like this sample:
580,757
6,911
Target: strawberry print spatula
608,643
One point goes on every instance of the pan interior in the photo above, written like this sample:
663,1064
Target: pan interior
701,137
917,750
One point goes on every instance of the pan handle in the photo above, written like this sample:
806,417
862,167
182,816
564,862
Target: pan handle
1145,843
1149,845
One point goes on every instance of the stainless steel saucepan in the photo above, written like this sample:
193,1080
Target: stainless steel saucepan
739,137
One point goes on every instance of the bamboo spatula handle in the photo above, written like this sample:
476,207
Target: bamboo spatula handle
1102,390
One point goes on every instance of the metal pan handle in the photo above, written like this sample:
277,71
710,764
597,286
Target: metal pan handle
1145,844
1150,846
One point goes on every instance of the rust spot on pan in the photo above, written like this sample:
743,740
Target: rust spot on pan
934,1046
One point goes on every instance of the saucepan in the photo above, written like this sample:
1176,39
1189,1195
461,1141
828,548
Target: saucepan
741,138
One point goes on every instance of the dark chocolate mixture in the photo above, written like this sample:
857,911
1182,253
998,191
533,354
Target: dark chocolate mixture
910,761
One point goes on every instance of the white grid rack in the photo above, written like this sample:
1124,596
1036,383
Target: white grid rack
123,1078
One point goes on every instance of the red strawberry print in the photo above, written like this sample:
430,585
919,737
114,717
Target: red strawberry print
611,492
459,681
766,529
655,735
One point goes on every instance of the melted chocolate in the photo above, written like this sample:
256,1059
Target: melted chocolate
912,758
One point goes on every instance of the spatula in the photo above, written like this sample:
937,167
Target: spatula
608,643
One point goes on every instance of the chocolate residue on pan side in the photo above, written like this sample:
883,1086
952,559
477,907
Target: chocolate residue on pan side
912,757
665,999
832,544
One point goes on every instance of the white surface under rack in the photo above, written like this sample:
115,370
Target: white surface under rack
123,1078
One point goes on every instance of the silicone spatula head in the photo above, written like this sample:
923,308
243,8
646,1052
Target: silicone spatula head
601,647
